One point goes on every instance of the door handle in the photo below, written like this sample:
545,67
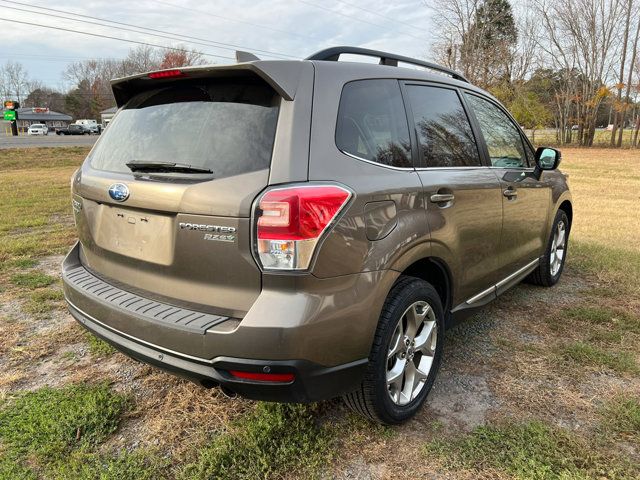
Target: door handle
510,193
442,197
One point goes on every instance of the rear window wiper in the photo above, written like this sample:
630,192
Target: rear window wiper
167,167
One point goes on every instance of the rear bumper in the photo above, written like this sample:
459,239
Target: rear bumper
207,349
312,382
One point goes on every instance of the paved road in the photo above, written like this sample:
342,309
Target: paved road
50,140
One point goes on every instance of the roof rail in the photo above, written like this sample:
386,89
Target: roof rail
333,54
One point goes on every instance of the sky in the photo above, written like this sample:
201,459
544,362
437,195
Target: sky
268,28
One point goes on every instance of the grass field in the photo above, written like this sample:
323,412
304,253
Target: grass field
542,384
601,138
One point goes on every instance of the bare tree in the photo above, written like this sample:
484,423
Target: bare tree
477,37
526,56
92,78
14,81
618,106
453,20
580,38
636,129
4,84
627,97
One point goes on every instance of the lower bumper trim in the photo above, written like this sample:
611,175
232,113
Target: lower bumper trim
312,382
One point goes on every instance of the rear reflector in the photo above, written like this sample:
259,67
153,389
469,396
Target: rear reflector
263,377
166,74
292,220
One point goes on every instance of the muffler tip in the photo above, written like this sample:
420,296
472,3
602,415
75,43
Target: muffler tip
227,392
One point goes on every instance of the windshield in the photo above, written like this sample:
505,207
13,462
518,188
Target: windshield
226,127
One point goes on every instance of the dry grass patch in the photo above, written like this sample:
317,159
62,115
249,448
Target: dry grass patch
9,379
36,218
13,331
531,450
41,158
46,342
604,185
179,414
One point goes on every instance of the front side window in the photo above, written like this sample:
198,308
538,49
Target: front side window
500,134
372,123
444,133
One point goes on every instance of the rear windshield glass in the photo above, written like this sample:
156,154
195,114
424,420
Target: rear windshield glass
226,127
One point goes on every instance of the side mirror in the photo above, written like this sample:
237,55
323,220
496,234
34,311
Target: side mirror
547,158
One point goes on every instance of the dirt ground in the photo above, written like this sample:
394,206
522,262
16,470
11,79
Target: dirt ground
556,356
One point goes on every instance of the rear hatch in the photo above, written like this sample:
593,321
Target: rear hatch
163,201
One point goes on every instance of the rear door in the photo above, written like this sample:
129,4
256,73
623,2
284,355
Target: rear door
172,234
462,196
526,199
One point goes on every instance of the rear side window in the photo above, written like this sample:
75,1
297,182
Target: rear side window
502,137
444,132
224,126
372,123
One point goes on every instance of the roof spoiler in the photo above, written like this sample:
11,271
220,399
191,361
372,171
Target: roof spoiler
242,56
282,76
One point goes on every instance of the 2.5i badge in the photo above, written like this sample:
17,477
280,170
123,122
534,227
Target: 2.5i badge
215,233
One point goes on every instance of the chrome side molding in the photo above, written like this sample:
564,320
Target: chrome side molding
505,283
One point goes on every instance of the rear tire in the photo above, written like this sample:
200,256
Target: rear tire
548,272
405,356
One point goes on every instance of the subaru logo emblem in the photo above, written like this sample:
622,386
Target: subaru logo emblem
119,192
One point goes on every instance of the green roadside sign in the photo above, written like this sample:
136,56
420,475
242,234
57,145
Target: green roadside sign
10,115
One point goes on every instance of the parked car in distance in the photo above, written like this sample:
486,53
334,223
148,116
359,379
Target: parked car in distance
300,230
94,128
74,129
38,129
92,125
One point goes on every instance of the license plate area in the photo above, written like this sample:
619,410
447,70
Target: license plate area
133,233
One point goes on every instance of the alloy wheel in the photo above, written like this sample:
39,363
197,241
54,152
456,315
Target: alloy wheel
411,353
558,248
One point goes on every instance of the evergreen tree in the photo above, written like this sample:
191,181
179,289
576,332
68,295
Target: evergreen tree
487,47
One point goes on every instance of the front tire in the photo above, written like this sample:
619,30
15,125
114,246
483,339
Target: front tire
548,272
405,356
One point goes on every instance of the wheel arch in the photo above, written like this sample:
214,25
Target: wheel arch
435,271
567,208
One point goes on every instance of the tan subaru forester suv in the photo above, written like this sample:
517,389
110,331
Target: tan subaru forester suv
300,230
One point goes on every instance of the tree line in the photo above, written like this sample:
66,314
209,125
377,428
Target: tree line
570,64
90,92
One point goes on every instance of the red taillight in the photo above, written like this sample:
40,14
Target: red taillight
292,220
263,377
299,213
166,74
